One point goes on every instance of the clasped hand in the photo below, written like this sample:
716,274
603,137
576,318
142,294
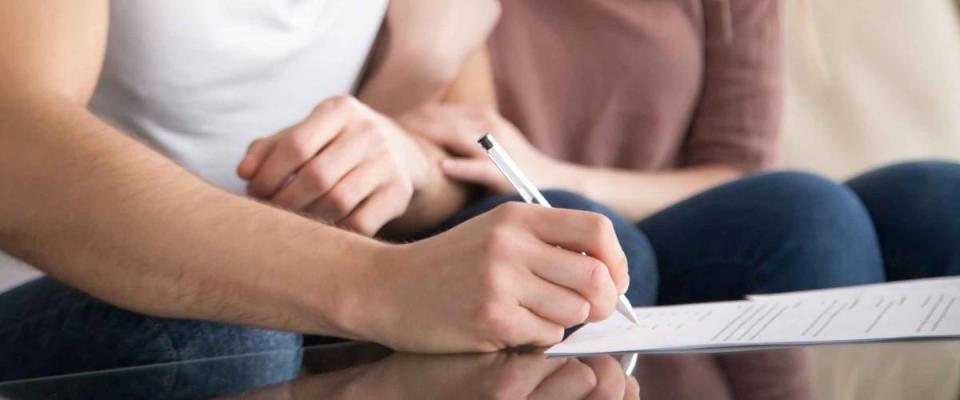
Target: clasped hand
456,129
345,164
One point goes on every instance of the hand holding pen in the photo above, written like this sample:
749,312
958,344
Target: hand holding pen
530,194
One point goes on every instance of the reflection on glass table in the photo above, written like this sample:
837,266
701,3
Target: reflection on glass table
362,371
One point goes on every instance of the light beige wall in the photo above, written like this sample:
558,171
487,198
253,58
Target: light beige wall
893,90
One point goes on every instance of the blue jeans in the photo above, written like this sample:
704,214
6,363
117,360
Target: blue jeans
768,232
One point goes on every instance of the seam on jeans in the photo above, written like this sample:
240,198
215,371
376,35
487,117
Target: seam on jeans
165,333
164,329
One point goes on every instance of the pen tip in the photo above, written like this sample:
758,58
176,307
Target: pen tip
623,305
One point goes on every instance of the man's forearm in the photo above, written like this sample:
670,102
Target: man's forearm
109,216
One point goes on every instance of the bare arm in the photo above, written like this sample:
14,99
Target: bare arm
96,209
423,47
633,194
430,52
105,214
445,195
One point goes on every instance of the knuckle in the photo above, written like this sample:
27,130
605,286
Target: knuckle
317,178
339,201
337,104
498,243
256,144
601,225
298,146
509,211
369,128
400,200
491,281
343,101
494,320
362,224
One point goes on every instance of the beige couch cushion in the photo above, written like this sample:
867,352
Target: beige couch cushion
893,90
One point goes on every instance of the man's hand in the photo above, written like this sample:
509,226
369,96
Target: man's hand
497,281
344,164
499,375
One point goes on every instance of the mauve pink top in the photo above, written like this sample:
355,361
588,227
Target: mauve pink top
643,84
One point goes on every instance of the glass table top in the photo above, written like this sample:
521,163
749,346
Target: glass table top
892,370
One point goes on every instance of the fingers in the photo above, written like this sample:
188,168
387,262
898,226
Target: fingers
611,381
319,175
474,170
553,303
256,153
633,389
348,193
301,143
385,204
574,380
540,332
586,276
582,231
512,325
455,128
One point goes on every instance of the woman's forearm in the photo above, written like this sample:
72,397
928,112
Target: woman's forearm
636,195
105,214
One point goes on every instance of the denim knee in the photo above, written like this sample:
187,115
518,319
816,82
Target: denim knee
50,328
915,207
192,339
825,235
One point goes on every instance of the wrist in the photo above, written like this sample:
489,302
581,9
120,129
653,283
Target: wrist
361,309
421,173
346,308
566,176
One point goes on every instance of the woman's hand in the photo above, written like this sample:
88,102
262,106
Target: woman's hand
496,281
344,164
457,128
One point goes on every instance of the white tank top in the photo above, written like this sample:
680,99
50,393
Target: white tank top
199,80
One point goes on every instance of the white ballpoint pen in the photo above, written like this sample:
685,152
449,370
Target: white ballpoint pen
530,194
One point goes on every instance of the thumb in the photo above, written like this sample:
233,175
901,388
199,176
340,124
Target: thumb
475,170
256,153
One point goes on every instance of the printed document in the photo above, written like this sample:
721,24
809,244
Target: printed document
918,309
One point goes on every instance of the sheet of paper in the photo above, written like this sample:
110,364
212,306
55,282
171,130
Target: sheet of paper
911,285
910,309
